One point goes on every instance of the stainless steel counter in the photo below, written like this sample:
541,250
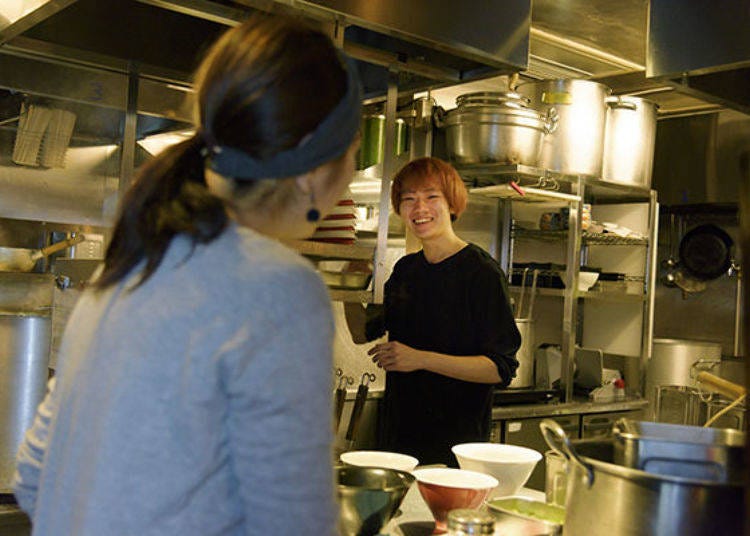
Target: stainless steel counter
522,411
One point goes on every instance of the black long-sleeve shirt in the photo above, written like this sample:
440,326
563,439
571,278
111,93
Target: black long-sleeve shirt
460,307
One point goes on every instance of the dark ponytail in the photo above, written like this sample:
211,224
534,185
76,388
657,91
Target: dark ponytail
254,92
169,197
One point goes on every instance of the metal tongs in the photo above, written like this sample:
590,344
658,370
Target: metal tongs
359,404
340,396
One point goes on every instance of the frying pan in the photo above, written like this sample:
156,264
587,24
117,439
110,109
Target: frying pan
23,260
705,252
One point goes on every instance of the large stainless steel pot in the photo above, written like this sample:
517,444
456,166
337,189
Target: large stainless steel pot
495,128
576,145
672,360
713,454
24,356
629,139
605,499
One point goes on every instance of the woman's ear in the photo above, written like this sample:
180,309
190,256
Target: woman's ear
304,183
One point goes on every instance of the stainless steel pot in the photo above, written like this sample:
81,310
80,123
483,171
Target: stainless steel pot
24,357
605,499
576,145
629,139
672,360
677,450
496,128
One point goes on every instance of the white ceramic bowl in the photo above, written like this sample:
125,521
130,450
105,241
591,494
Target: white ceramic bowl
586,280
378,458
511,465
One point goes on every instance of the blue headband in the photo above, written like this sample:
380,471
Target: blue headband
330,139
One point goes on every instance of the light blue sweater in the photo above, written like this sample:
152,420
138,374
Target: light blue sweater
199,404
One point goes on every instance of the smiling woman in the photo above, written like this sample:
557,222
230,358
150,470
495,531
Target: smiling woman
451,333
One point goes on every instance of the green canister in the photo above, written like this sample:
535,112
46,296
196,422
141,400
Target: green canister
372,147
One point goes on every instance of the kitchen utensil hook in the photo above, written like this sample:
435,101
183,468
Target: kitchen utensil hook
367,378
344,381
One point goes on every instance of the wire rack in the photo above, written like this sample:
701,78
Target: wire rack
608,239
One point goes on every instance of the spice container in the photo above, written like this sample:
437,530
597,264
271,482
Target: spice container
464,521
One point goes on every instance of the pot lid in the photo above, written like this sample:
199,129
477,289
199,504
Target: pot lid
508,104
492,98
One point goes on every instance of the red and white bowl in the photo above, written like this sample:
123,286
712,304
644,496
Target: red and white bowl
446,489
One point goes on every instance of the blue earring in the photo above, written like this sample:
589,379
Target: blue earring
313,214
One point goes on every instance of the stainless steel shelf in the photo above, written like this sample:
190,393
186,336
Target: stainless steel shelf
587,238
530,195
323,250
597,190
542,291
612,296
351,296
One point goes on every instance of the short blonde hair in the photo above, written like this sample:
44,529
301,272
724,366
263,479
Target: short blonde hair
419,171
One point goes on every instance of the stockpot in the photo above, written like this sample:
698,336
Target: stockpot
576,145
495,128
605,499
629,140
673,359
24,360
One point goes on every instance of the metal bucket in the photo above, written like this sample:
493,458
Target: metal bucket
629,140
24,356
575,147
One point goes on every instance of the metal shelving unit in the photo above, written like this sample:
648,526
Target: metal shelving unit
544,186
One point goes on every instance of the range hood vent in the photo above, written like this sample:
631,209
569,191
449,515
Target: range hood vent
702,49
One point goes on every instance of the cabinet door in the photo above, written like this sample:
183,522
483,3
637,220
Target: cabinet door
599,425
526,433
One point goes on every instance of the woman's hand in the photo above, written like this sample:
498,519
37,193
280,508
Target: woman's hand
394,356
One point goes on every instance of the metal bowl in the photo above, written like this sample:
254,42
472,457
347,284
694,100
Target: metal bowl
346,280
369,497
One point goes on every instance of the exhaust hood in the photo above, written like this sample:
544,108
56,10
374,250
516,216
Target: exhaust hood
702,49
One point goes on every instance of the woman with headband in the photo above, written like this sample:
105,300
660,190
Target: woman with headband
193,393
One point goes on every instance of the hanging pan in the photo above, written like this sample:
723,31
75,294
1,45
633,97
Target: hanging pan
705,252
